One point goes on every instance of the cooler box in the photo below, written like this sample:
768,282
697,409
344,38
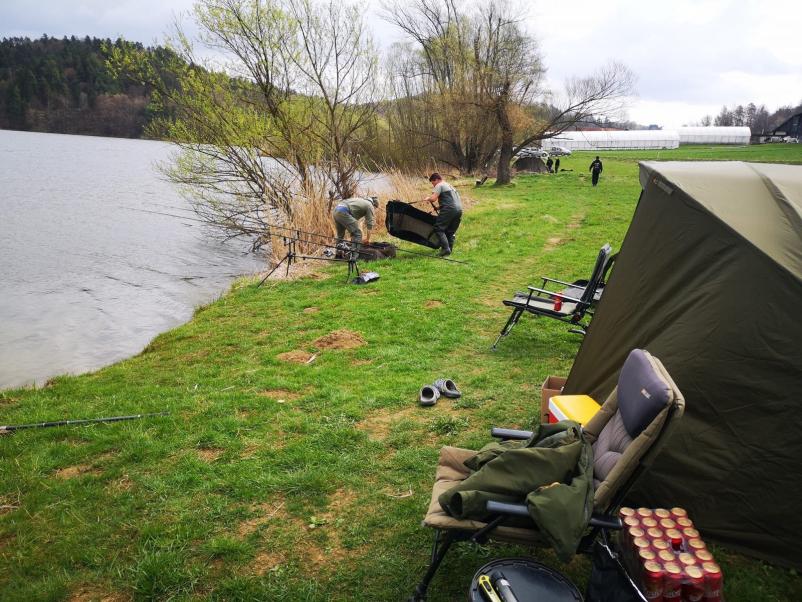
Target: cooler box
580,408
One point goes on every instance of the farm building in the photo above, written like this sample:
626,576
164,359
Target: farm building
791,127
614,139
714,135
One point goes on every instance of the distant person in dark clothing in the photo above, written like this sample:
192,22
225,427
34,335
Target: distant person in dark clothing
557,165
549,163
450,212
595,169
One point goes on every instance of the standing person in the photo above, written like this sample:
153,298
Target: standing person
549,163
450,215
347,214
557,165
596,169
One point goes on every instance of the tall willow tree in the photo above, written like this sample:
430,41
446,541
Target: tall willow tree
270,103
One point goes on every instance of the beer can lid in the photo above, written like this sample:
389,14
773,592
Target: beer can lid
711,567
673,533
672,567
649,522
676,511
655,533
662,513
624,511
667,523
652,566
694,572
640,542
660,544
704,555
684,522
644,511
666,556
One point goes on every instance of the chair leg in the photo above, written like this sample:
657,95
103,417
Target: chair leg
512,321
439,550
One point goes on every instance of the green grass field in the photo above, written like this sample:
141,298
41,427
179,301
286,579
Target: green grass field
278,480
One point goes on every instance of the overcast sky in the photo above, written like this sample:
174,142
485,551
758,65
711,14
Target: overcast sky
690,56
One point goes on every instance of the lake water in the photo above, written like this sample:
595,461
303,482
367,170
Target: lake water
86,277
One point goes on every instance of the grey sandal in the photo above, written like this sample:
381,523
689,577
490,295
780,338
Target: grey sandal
429,395
447,387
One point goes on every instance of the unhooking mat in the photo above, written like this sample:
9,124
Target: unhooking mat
411,224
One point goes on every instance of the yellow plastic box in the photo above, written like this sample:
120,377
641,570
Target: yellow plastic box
580,408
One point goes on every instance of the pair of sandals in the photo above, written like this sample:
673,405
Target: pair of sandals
429,394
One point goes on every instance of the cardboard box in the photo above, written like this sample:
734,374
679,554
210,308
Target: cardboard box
553,385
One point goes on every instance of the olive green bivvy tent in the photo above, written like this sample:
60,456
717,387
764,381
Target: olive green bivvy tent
709,280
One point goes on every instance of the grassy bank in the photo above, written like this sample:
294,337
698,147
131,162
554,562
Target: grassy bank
280,478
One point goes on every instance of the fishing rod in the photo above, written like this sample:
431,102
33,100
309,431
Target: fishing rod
41,425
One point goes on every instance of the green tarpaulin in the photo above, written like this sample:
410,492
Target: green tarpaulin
709,280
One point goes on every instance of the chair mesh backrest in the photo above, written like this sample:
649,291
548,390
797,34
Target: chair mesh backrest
630,422
596,275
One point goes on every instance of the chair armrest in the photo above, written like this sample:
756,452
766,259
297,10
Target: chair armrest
505,508
547,279
500,433
553,294
605,521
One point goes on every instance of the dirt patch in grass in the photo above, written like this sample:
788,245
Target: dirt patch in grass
553,242
265,561
361,362
379,424
265,512
124,483
296,356
340,339
311,310
280,394
90,593
433,303
210,454
71,472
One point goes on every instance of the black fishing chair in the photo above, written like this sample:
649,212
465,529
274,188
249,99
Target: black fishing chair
626,435
576,301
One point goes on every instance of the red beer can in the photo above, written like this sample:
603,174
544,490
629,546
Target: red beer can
684,523
713,582
644,512
690,533
672,582
696,544
666,556
653,578
703,556
655,533
667,524
660,544
675,537
679,513
661,513
640,543
646,555
625,512
686,559
693,586
649,522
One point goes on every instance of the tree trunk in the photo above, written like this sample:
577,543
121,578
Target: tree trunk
504,171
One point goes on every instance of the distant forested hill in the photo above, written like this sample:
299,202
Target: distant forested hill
63,86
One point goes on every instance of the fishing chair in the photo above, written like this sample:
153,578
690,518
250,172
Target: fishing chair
626,434
576,300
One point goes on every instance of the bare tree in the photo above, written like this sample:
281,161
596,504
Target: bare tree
275,117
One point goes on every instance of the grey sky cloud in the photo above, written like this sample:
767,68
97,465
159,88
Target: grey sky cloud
690,56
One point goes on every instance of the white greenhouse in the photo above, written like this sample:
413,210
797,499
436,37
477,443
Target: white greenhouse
613,140
714,135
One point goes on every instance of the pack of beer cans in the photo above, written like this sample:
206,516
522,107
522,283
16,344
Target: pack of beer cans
664,553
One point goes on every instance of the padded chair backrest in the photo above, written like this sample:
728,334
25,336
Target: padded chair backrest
632,425
596,275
